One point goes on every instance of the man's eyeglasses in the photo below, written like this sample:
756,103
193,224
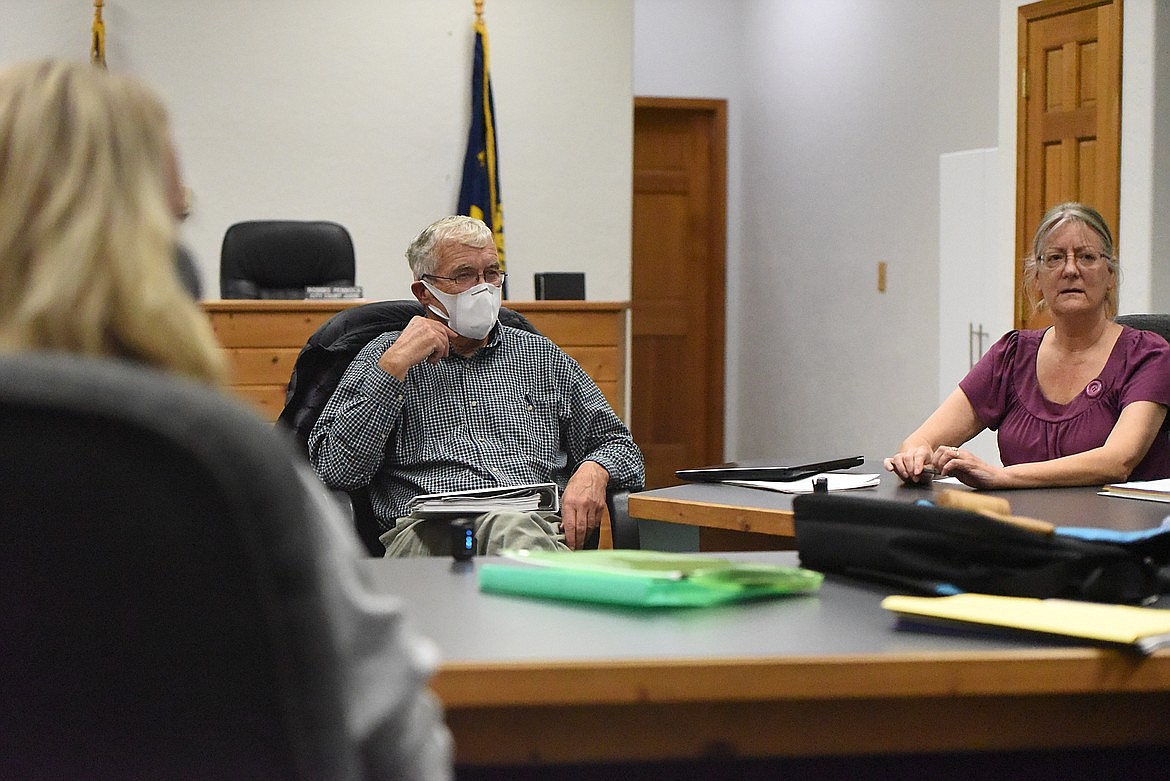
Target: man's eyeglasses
466,278
1085,259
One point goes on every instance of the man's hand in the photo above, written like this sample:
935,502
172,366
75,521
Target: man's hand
423,339
583,502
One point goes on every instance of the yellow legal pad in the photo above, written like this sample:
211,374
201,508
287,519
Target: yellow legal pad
1142,628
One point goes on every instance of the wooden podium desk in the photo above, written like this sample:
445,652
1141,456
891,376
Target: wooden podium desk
528,682
262,340
733,517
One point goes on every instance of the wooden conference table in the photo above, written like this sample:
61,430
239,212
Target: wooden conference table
528,682
733,517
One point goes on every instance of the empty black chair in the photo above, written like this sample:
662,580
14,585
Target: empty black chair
280,258
160,615
328,353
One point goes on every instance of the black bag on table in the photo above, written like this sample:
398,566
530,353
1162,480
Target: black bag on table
939,550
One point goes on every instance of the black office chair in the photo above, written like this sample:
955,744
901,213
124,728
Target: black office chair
160,619
1157,323
324,359
280,258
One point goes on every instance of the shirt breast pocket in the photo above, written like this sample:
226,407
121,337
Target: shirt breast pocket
532,426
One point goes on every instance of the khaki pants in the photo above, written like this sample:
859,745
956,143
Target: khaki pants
494,532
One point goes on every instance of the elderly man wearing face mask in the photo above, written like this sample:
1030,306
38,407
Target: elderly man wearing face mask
457,400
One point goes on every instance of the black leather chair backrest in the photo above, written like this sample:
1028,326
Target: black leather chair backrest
280,258
160,619
1158,323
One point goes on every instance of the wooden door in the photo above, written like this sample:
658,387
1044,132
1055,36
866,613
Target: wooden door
1068,118
678,292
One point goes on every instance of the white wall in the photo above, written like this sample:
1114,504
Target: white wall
840,110
357,111
1145,176
1160,206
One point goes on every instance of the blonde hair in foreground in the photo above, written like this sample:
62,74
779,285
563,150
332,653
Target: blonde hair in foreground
87,232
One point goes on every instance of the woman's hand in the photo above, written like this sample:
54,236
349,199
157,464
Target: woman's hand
910,463
969,469
953,421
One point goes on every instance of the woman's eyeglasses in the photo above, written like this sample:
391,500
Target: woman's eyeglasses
1085,259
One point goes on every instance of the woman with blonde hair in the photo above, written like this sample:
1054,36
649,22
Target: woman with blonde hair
89,193
1081,403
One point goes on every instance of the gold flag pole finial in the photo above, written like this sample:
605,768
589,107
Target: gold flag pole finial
479,10
97,51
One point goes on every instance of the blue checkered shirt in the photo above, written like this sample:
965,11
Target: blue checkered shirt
517,411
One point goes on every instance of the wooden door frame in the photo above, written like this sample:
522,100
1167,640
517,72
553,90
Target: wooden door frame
716,240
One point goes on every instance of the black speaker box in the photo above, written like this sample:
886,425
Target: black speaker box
560,286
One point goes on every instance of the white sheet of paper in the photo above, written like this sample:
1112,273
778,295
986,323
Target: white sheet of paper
837,482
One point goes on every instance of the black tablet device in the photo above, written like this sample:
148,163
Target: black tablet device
747,470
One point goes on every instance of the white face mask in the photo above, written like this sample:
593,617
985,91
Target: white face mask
471,313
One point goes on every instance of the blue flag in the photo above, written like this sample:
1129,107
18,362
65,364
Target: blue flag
479,195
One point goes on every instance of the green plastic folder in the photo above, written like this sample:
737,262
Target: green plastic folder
641,578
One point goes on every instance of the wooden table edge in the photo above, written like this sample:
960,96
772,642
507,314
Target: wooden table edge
761,520
1030,672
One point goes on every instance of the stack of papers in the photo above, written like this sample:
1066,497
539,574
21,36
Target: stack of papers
837,482
641,578
520,498
1141,628
1150,490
